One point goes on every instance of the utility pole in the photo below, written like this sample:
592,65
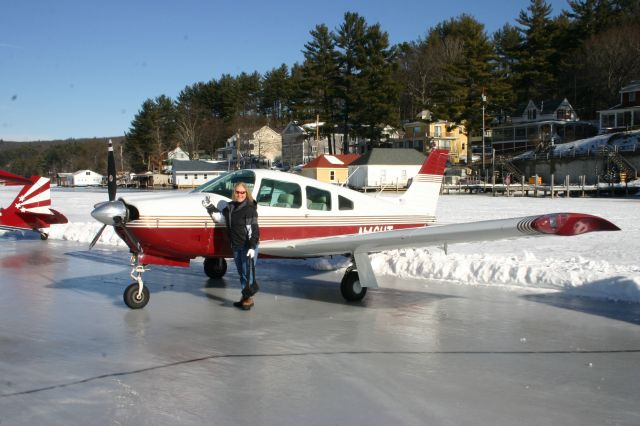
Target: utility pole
484,99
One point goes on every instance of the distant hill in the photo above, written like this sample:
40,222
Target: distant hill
46,158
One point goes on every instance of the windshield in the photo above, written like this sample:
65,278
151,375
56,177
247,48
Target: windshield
223,185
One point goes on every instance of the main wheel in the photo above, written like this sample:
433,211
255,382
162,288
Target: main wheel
44,236
131,298
350,286
215,267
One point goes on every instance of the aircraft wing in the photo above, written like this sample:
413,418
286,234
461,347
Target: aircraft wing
11,179
562,224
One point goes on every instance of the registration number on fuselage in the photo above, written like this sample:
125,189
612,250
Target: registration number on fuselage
376,228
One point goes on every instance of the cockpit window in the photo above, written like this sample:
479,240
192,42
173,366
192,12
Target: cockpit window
277,193
223,185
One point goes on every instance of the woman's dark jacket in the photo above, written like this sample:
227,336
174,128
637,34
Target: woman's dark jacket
242,223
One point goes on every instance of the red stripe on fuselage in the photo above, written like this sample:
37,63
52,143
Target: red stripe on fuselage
189,243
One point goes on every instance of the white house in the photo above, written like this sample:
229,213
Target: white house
190,174
86,178
385,168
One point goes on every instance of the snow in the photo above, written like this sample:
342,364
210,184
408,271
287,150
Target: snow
621,142
599,265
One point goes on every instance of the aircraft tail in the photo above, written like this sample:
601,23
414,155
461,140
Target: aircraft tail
424,190
34,198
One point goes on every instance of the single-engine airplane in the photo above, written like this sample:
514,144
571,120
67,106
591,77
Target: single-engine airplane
301,217
30,210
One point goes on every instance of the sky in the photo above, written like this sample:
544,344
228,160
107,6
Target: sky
599,265
76,69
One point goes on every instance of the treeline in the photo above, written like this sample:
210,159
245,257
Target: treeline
355,81
51,157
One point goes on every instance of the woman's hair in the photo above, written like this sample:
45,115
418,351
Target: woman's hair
243,186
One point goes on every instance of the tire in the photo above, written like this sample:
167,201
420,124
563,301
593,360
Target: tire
215,267
350,286
130,296
44,236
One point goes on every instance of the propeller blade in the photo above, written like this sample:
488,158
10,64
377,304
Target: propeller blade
97,237
111,173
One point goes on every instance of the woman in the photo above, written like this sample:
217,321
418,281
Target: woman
241,218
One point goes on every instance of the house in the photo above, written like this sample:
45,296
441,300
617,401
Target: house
534,126
86,178
385,168
625,115
329,168
262,143
193,173
302,143
426,133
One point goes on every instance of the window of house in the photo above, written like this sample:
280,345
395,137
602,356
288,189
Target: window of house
632,97
344,203
186,176
195,176
205,176
437,131
332,175
276,193
318,199
87,173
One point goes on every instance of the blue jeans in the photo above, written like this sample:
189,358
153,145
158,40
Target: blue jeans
243,265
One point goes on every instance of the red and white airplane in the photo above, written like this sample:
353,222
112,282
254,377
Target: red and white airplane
31,209
301,218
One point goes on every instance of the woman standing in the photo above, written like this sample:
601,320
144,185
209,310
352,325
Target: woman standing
241,218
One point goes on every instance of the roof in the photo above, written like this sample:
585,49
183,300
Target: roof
335,161
198,166
391,157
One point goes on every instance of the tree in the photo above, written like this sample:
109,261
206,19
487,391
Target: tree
349,41
320,70
151,134
459,92
378,98
535,64
275,92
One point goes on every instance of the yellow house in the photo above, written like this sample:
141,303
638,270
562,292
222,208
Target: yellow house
442,134
329,168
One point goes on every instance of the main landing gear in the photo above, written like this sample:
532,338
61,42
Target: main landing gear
44,236
136,295
215,267
350,286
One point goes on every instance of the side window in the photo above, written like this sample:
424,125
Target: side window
344,203
332,175
318,199
277,193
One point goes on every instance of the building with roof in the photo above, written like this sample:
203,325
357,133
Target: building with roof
534,126
193,173
86,178
385,168
425,134
329,168
625,115
261,143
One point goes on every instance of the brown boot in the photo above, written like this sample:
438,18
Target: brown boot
247,303
239,303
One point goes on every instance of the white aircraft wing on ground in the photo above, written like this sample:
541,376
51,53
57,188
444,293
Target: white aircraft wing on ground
359,246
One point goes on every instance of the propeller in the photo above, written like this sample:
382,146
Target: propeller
109,212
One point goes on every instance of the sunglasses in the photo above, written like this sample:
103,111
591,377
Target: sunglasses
241,192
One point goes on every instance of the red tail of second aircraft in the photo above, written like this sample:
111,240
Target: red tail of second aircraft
31,209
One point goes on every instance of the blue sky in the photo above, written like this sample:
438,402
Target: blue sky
72,69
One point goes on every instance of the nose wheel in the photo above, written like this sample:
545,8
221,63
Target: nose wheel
134,298
136,295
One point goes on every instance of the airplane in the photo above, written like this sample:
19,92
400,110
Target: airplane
30,210
301,217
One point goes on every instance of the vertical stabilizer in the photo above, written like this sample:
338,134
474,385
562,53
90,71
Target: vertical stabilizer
424,190
34,198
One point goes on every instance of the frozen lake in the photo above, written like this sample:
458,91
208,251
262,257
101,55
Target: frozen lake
416,351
